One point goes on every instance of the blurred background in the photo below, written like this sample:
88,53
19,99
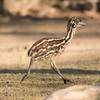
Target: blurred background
22,22
50,8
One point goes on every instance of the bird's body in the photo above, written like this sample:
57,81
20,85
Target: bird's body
46,48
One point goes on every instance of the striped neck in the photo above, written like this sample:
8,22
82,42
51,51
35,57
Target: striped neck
70,34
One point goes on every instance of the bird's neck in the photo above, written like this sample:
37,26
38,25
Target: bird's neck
69,35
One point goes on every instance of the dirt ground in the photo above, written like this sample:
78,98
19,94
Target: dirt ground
13,52
80,62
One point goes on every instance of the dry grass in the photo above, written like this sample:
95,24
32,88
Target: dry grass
41,83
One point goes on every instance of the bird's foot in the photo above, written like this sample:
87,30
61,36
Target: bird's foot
67,81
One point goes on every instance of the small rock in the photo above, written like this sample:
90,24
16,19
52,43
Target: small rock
77,92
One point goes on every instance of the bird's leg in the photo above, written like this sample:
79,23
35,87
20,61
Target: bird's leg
54,67
28,71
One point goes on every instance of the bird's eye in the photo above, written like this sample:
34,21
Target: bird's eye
73,25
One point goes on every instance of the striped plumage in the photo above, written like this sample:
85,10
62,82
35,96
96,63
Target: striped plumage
46,48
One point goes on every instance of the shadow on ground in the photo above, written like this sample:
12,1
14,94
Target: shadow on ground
44,71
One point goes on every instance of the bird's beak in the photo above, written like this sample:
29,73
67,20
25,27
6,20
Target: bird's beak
81,24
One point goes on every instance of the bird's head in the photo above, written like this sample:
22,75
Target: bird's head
74,23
